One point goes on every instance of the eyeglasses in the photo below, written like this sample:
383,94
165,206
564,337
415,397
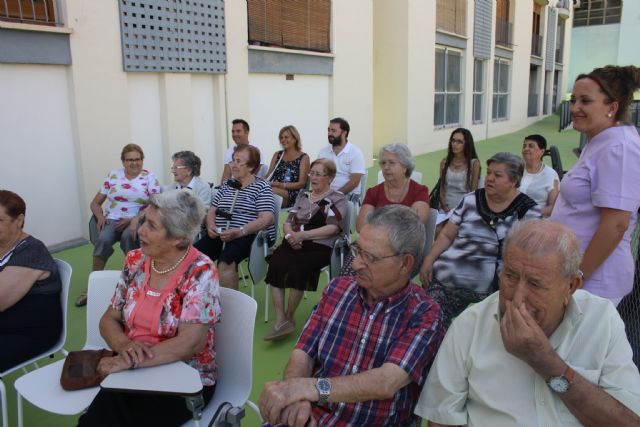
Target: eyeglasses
312,174
174,168
457,141
367,257
238,162
133,160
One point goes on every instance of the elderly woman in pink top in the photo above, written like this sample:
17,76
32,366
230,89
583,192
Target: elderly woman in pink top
163,310
600,196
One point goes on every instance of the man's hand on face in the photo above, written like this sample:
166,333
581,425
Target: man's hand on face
523,337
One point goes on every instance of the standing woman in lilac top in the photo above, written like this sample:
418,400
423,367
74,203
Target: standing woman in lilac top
600,196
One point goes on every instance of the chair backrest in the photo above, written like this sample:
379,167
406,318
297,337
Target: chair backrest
481,181
430,228
363,185
277,204
234,347
415,175
262,172
101,286
65,271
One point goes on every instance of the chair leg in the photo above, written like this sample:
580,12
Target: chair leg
19,403
253,406
3,397
266,303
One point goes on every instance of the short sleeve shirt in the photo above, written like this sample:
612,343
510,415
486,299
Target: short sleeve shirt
255,198
345,335
539,185
416,193
349,161
607,175
195,300
127,197
474,381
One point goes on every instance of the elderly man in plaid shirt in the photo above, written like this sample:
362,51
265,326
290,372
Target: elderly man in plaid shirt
366,349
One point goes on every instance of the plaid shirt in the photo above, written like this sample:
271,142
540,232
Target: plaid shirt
345,336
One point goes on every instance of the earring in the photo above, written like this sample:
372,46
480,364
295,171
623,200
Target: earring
609,115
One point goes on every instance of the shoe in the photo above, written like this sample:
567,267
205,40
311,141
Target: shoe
82,299
280,331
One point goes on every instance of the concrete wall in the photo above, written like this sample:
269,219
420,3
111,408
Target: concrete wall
87,111
600,45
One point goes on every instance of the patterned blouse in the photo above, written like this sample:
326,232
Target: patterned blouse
288,172
195,299
126,196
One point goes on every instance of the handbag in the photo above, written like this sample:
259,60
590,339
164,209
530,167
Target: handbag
80,369
434,197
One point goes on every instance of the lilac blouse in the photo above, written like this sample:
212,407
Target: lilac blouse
607,175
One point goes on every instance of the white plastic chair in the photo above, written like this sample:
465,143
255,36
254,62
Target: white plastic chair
42,386
415,175
234,353
65,271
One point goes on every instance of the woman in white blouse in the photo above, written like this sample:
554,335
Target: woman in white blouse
540,182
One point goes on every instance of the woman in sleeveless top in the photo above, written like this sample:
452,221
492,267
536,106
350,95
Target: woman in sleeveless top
289,167
455,179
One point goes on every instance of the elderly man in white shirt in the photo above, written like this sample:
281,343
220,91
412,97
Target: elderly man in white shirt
348,158
539,352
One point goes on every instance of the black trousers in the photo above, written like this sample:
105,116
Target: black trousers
111,408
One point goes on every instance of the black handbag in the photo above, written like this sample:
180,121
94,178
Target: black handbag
434,197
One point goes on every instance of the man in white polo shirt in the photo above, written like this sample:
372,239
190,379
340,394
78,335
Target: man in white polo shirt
240,135
347,157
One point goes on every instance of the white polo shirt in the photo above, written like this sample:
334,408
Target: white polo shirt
350,160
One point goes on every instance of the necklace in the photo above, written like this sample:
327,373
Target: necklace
538,171
153,264
399,196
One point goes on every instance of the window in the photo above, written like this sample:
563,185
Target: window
29,11
597,12
448,88
293,24
450,16
501,71
504,27
478,91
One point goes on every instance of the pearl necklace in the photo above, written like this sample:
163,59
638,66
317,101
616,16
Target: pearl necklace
153,264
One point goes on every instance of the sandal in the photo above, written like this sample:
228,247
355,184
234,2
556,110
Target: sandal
82,299
280,331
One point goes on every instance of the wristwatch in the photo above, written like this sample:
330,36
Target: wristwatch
323,385
560,384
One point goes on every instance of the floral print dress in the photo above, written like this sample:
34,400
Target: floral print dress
288,172
126,196
191,296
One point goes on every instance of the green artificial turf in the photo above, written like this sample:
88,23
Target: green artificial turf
269,358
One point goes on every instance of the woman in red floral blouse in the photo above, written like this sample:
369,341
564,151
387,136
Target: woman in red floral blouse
163,310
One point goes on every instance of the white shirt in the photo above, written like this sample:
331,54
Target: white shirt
538,185
474,381
350,160
228,156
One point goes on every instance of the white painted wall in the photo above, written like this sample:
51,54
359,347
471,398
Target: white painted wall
593,46
39,161
276,102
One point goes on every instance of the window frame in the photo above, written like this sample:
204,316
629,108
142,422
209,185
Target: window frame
497,94
609,13
481,92
445,92
44,12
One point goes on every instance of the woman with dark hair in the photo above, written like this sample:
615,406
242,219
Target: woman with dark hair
462,266
186,172
163,310
459,171
242,207
540,182
600,195
30,312
289,167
